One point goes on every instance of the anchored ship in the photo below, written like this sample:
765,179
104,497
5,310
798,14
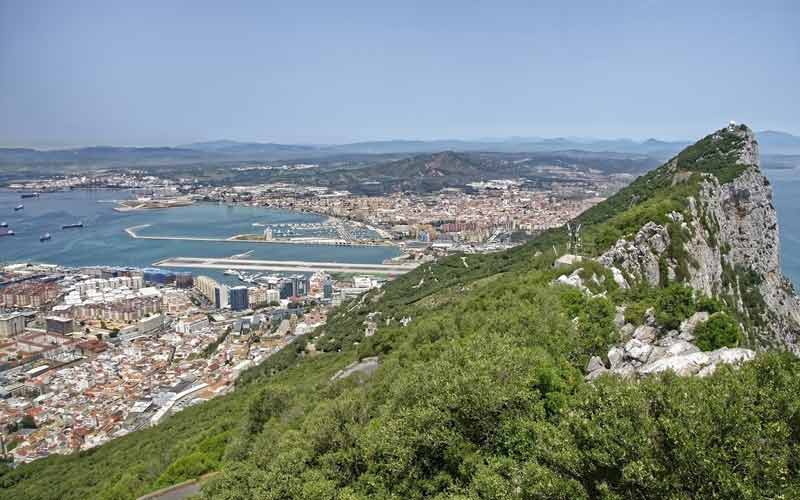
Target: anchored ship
29,195
7,232
71,226
4,224
45,237
19,207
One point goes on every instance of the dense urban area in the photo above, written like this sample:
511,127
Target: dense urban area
93,353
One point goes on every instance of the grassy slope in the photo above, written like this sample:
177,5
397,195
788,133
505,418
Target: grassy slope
488,345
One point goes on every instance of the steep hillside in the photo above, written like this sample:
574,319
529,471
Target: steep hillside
481,387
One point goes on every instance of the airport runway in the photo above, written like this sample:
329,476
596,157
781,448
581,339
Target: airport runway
299,240
284,265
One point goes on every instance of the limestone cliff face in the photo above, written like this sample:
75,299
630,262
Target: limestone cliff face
730,237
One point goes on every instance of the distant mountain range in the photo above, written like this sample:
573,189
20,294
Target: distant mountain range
772,143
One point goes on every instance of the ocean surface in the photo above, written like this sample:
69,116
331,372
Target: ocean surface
103,240
786,191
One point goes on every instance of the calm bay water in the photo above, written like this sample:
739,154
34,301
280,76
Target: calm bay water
103,240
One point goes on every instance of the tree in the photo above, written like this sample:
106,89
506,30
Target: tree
28,422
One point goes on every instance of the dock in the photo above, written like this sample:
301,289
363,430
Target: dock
283,265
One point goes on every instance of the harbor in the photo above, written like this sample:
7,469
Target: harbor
141,237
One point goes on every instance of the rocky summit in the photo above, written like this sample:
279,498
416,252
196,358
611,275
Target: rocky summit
721,241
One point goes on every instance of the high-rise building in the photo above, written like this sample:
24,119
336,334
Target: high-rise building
327,289
221,296
238,298
286,289
11,324
273,296
206,286
301,285
59,324
217,294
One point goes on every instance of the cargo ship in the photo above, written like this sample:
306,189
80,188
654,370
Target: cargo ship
72,226
29,195
7,232
19,207
45,237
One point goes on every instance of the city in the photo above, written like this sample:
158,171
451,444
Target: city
91,354
399,250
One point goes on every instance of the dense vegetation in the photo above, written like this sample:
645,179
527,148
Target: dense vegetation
480,395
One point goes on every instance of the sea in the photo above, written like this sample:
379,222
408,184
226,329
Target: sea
103,240
786,198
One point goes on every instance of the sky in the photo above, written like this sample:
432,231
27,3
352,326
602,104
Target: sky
170,72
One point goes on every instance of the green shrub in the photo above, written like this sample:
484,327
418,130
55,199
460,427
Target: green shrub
634,313
719,331
710,305
674,304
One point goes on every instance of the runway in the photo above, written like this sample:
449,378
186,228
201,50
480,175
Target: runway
283,265
242,238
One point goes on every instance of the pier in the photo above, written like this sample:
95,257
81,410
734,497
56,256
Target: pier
283,265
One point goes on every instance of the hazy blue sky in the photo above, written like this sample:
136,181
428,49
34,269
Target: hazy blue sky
157,73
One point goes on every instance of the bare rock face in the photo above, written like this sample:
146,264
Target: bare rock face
687,364
640,358
645,334
688,325
615,356
639,257
722,241
573,279
733,244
